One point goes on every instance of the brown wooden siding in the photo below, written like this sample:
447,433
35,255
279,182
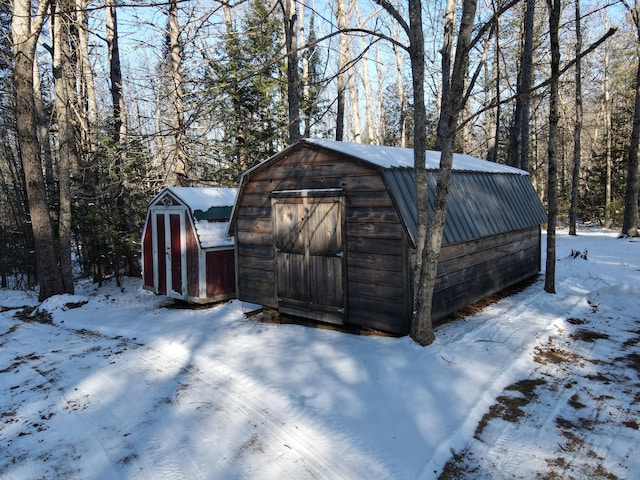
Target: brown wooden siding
375,240
470,271
376,263
377,252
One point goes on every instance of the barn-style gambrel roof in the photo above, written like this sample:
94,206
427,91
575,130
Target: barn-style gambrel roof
485,198
209,208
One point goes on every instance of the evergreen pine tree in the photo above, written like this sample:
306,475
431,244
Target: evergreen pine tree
246,87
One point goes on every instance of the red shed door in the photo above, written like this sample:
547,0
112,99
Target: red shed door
309,231
169,253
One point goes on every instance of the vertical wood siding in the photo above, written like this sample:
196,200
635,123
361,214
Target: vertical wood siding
309,252
147,253
193,254
221,281
176,253
376,246
162,254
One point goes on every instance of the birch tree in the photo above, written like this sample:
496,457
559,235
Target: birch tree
343,59
88,115
608,207
453,75
421,328
492,83
454,66
577,132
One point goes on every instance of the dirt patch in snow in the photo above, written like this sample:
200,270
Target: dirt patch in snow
582,395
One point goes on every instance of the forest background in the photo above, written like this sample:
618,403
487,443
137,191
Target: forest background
104,103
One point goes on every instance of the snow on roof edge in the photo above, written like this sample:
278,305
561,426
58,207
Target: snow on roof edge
396,157
208,234
203,198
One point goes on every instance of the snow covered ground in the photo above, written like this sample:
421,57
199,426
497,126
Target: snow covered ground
107,384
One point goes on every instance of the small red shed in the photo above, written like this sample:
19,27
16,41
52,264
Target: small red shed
186,253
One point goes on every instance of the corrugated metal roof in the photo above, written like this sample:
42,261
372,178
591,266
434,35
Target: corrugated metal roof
480,204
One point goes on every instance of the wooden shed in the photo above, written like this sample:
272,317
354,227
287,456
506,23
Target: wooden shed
186,253
327,231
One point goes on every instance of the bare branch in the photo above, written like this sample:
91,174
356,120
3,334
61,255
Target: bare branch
545,83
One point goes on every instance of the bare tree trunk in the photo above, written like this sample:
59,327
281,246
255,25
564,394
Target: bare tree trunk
67,157
368,136
608,222
428,245
43,132
120,134
447,55
180,170
402,99
115,74
293,78
24,37
380,135
343,58
494,124
552,149
89,113
355,105
422,329
577,133
306,90
239,127
466,130
519,138
630,219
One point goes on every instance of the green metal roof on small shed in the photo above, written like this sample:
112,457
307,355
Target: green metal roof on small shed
485,198
210,209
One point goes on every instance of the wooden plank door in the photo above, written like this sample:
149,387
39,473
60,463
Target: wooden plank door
169,253
309,242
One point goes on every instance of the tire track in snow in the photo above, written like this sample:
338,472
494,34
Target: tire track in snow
262,434
266,443
505,448
550,437
95,391
55,402
108,398
518,369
